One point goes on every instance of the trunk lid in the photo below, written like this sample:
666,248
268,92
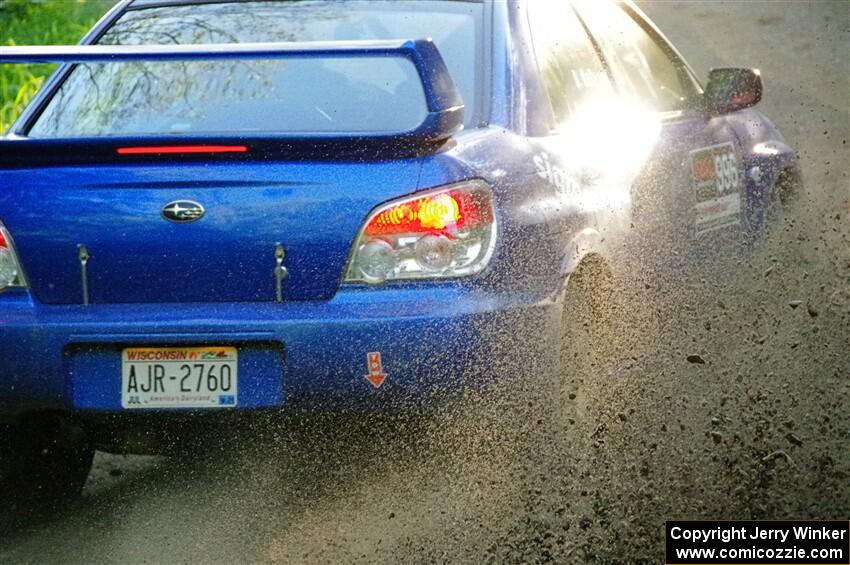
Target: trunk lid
314,209
100,177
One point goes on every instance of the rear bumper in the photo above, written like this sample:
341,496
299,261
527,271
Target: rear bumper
434,341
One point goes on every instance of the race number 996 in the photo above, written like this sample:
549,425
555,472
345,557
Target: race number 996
717,180
716,171
726,171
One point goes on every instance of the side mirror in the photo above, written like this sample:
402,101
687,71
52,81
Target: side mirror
732,89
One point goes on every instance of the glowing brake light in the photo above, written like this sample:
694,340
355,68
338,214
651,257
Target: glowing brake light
448,232
440,212
181,149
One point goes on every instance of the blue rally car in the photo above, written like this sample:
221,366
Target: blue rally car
219,207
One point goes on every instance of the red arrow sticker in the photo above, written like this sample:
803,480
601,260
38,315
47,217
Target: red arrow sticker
376,374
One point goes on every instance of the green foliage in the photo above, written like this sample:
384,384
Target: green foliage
38,22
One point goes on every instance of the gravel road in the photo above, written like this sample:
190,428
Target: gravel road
761,429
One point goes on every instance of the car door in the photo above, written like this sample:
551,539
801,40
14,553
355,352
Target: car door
576,112
689,189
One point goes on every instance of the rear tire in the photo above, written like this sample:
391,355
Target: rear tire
588,316
43,463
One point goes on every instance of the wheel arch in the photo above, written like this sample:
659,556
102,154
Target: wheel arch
585,252
586,243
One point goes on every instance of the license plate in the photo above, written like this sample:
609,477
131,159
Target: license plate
179,377
717,185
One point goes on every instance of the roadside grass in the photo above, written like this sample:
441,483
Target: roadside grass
38,22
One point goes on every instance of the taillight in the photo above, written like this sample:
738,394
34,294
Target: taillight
10,270
443,233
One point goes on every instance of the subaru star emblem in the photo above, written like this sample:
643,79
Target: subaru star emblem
183,211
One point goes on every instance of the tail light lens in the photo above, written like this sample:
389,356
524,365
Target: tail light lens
10,269
443,233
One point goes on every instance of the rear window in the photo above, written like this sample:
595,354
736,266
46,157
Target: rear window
309,95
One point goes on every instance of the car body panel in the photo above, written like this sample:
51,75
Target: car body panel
621,189
313,209
425,333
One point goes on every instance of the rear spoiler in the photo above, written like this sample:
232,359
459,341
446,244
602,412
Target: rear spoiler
444,103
